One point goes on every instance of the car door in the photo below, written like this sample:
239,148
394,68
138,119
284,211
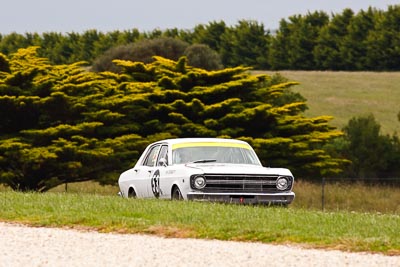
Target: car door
159,172
147,175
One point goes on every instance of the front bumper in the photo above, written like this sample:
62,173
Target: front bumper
244,198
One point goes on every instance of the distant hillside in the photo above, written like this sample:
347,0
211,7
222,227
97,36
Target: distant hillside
347,94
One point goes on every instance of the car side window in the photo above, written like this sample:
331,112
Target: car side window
151,156
163,154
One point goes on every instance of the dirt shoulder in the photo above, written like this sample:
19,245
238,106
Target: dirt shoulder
36,246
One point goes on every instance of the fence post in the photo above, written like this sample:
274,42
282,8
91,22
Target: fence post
323,194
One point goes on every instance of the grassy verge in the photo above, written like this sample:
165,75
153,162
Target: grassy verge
340,230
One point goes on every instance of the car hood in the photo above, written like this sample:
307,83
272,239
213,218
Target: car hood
221,168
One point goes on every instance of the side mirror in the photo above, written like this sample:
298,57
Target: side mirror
163,162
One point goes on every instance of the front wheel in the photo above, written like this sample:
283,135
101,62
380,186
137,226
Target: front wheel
176,194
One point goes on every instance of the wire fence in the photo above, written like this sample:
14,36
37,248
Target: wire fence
376,194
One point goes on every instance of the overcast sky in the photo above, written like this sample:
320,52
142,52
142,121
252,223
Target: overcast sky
64,16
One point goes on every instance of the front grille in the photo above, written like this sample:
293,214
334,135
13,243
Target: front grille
242,183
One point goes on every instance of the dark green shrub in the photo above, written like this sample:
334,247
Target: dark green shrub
202,56
142,51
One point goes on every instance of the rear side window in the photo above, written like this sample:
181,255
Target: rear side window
163,154
151,156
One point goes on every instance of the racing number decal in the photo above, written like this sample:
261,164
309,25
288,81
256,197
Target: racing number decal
155,183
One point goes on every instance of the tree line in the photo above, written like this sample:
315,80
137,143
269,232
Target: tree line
62,123
367,40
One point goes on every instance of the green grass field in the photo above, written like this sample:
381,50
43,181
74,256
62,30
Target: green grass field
344,95
344,230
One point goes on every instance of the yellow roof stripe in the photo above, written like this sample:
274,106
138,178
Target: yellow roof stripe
197,144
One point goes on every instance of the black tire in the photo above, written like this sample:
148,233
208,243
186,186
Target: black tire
176,194
131,193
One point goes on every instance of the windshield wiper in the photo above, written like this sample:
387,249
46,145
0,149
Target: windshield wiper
203,161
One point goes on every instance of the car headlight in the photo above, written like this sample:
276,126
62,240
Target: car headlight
282,183
199,182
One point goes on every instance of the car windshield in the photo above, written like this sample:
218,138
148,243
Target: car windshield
240,154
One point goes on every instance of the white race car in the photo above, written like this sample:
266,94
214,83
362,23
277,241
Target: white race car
206,169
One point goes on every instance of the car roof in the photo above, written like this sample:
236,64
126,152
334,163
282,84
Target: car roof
200,139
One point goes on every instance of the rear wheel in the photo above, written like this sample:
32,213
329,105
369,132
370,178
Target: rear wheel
131,193
176,194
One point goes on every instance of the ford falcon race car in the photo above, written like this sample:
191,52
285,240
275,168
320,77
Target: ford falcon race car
206,169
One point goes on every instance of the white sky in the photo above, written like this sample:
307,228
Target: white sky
64,16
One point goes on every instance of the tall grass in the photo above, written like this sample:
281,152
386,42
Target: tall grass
88,187
347,196
338,196
341,230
